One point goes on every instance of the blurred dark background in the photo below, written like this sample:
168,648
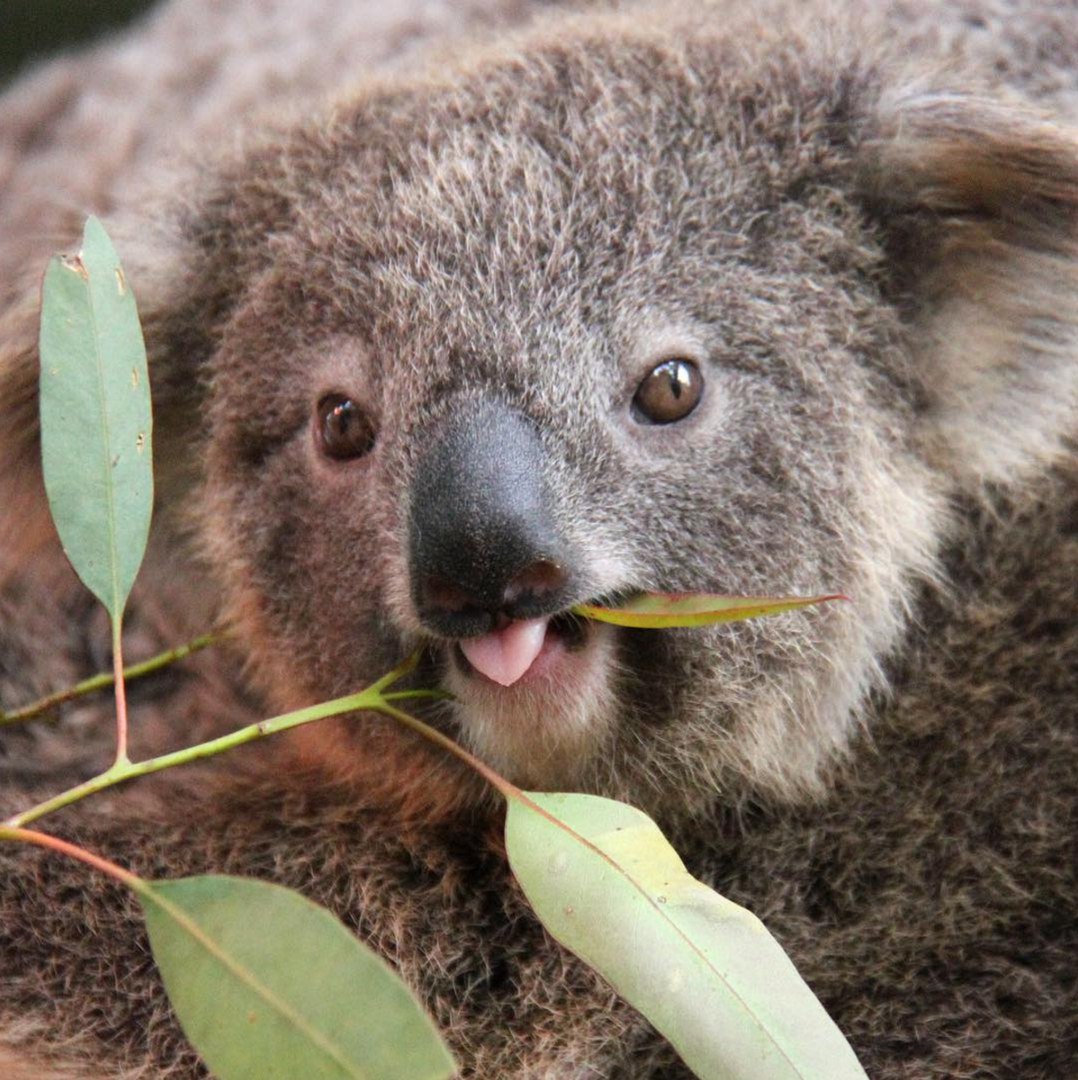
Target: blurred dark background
31,29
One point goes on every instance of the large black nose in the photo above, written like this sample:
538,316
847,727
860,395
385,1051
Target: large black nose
482,544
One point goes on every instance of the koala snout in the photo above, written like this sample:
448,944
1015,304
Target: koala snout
483,546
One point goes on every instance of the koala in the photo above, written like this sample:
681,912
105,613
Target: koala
461,315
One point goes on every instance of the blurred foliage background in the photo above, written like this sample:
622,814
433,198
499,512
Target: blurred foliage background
31,29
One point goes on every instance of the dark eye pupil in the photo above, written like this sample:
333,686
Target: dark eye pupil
669,392
343,430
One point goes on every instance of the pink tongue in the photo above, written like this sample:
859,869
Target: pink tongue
504,655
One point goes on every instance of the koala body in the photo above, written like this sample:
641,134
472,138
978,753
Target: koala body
480,314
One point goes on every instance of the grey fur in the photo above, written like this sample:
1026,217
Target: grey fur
864,226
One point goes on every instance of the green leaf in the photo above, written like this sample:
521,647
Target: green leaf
95,418
606,883
656,610
267,984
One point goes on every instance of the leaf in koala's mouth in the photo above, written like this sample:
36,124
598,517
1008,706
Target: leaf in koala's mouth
504,655
658,610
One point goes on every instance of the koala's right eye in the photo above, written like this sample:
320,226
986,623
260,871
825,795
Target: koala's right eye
669,392
342,430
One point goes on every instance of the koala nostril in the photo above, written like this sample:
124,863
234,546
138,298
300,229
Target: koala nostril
442,595
534,581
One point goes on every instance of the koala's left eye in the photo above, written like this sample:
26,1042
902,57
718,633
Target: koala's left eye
342,430
669,392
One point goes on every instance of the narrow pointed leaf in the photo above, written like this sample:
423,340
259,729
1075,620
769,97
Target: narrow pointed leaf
267,984
606,883
95,417
657,610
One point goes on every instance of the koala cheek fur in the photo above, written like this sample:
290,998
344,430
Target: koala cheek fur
401,322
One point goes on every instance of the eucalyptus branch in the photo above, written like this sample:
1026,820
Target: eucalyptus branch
106,679
370,699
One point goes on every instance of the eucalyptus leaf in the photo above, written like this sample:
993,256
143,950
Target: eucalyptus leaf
267,984
658,610
607,884
95,417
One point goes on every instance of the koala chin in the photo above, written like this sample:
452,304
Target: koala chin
463,314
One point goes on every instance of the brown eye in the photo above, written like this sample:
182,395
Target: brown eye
342,431
669,392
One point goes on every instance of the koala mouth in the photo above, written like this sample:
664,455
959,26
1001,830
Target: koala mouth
520,650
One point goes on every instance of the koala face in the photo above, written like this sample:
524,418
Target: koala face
579,322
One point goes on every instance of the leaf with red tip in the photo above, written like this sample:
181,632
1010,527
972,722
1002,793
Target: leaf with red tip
658,610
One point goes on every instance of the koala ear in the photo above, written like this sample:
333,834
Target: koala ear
978,202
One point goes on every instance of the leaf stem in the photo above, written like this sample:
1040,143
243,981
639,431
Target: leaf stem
507,789
121,694
54,843
426,695
106,679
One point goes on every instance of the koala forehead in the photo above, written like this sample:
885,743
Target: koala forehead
604,182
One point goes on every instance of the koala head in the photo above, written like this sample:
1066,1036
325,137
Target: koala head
616,308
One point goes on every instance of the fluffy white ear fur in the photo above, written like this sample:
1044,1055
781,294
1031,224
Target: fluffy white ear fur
979,201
